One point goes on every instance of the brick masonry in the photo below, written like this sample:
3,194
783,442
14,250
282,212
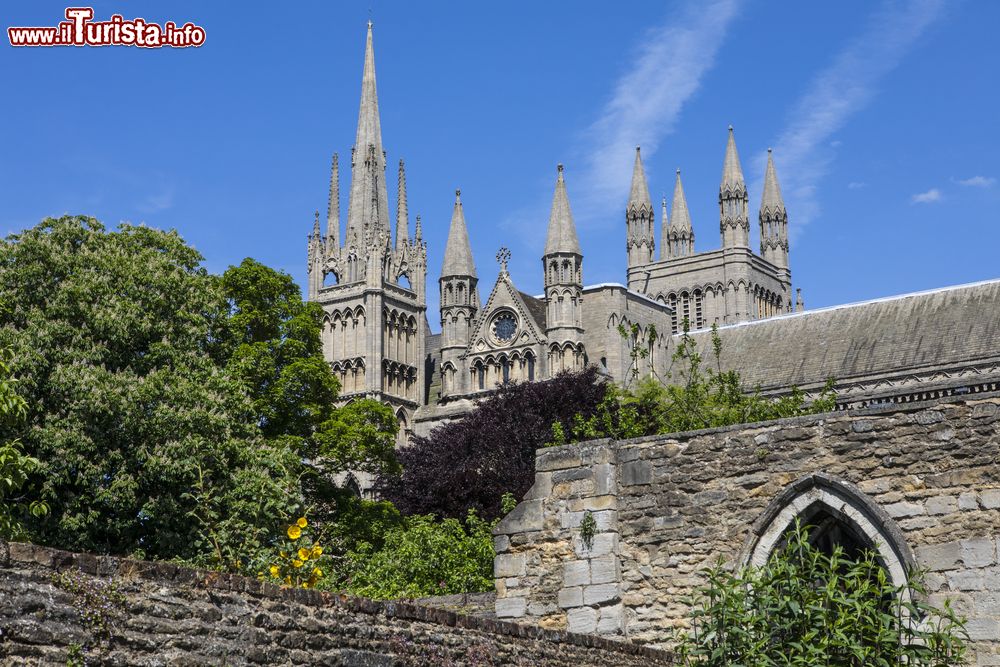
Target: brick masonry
922,480
178,616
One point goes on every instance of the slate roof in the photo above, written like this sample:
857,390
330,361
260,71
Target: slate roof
536,307
902,336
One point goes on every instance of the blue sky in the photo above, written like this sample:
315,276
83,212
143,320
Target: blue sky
883,116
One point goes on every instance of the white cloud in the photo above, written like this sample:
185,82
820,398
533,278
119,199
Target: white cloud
648,98
977,182
856,185
801,153
929,197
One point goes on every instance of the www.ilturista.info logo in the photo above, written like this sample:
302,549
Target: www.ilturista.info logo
80,30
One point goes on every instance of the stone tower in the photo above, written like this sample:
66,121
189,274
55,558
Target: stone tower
373,292
562,264
459,302
639,220
734,220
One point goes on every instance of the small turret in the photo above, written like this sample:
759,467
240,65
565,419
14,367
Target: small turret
333,208
317,257
734,220
681,233
562,264
773,219
639,240
459,300
402,215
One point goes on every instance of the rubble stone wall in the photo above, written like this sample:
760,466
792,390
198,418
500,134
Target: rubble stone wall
922,481
169,615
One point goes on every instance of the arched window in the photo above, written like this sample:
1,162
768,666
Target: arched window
531,366
481,375
505,368
840,514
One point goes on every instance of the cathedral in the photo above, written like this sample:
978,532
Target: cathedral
371,283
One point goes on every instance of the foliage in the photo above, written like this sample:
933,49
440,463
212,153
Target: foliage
300,562
588,528
120,342
470,463
422,557
697,398
15,465
99,604
805,607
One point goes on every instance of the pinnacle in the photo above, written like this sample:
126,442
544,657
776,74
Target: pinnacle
771,200
562,230
732,173
457,252
680,218
639,193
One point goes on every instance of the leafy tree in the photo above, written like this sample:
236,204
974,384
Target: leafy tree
15,465
421,557
119,343
469,464
806,607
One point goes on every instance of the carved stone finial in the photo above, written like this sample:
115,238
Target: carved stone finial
503,256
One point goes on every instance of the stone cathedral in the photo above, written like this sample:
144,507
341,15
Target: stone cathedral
371,281
370,278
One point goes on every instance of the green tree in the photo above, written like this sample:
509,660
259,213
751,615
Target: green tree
120,342
806,607
15,465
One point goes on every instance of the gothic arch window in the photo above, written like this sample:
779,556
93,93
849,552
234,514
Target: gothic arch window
531,366
480,372
505,369
840,515
353,486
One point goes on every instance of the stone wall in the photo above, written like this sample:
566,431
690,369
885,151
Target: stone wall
171,615
922,481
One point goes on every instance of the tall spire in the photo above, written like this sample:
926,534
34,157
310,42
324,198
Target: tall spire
418,234
773,219
680,222
562,230
734,220
402,215
457,252
639,234
368,209
333,206
639,193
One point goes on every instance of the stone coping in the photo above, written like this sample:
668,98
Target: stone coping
12,553
801,420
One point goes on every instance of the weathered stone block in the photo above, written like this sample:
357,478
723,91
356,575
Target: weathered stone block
557,458
602,544
967,501
526,517
509,565
904,509
604,479
941,505
501,543
635,473
989,498
611,620
604,570
511,607
937,557
978,552
601,593
576,573
582,620
570,597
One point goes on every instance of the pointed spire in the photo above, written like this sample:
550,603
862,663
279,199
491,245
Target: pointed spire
771,201
799,303
368,207
732,173
316,234
402,215
562,230
680,218
457,252
639,193
418,234
333,206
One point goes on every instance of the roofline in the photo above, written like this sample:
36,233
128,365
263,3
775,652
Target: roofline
855,304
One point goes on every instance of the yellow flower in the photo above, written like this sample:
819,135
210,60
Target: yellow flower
304,554
275,570
294,532
305,584
288,580
317,572
302,523
297,563
284,554
317,551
